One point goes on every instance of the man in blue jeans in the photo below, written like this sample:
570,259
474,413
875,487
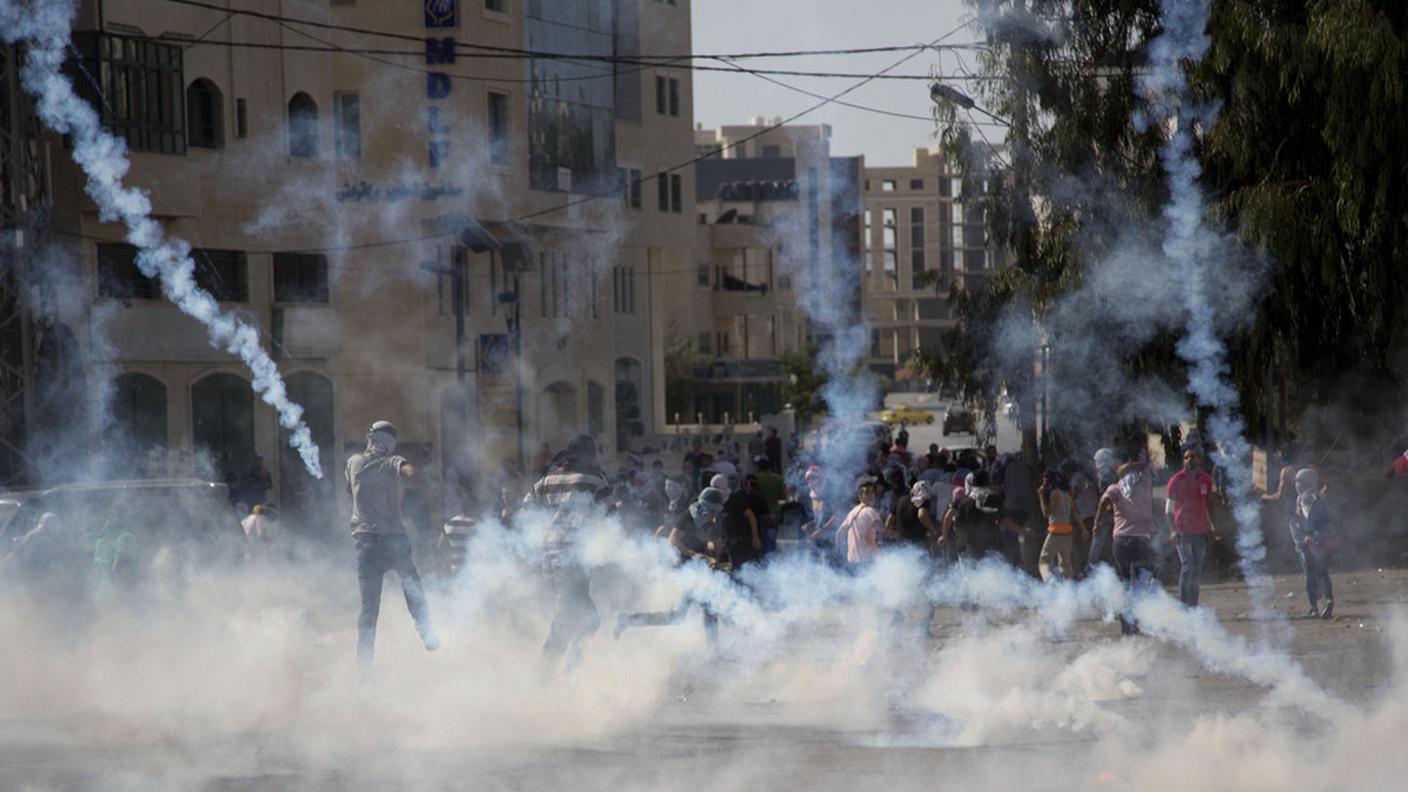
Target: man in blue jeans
374,481
1188,494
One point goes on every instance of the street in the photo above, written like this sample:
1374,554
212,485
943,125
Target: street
997,703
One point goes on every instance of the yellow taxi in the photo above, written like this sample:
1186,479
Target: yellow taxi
905,414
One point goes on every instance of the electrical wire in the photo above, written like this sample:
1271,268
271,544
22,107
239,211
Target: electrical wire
515,52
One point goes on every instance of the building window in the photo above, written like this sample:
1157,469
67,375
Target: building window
721,348
498,126
205,121
662,183
916,184
222,273
701,276
868,244
119,277
347,124
141,85
302,127
705,347
630,187
888,247
241,118
300,278
674,97
772,151
661,92
495,5
676,193
916,246
887,185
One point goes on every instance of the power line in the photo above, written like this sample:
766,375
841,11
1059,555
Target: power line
638,62
771,127
486,51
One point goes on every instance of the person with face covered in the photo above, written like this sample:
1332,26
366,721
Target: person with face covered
695,533
742,531
1102,526
374,480
573,491
1315,542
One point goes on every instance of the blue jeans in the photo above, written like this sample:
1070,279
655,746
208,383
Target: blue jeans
574,615
1134,561
1191,551
378,554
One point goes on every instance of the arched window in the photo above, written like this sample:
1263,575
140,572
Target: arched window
302,127
557,414
222,414
629,422
138,425
205,116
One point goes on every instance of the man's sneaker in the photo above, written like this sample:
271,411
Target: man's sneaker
1329,611
1313,613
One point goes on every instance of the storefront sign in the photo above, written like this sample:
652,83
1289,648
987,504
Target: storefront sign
439,50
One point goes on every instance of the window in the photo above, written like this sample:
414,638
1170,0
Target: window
302,127
674,97
222,273
784,282
704,346
887,185
495,5
141,86
722,346
868,244
772,152
676,192
916,184
498,126
205,127
931,308
661,91
347,124
662,183
300,278
630,187
916,246
118,275
701,276
888,248
241,118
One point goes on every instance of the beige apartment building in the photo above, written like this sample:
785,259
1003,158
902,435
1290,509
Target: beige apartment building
382,220
778,218
918,240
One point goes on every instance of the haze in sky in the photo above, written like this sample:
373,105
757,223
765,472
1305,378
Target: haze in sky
727,26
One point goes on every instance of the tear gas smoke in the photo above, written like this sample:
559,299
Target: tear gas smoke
1193,249
44,27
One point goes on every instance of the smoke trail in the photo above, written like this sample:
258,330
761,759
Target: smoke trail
1191,247
44,27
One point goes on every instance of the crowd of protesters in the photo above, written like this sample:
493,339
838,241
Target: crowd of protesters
729,505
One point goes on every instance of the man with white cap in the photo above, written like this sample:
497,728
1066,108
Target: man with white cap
374,481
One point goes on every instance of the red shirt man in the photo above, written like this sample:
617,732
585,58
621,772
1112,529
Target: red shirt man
1400,466
1188,491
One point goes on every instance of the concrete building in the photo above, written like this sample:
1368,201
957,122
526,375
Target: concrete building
919,240
382,220
778,216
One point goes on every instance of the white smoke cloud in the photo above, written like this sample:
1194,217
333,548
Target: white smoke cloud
44,27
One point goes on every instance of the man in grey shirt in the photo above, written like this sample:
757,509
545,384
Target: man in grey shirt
374,481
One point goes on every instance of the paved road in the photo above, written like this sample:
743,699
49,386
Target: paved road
1009,438
1022,708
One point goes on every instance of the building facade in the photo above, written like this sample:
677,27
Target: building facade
920,239
465,245
778,222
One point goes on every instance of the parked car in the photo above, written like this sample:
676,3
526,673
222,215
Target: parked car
959,422
905,414
177,520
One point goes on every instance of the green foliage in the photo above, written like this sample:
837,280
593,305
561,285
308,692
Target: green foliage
803,382
681,359
1306,162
